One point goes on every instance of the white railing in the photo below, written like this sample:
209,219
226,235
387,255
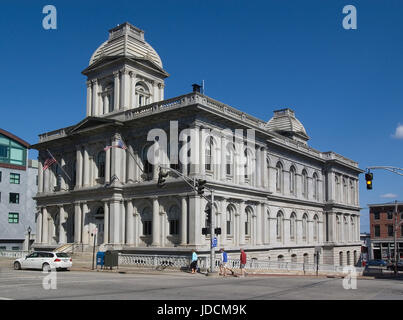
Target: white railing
179,262
13,253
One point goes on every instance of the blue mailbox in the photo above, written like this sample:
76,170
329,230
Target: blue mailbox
100,258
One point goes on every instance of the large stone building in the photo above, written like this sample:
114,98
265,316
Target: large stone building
278,199
18,177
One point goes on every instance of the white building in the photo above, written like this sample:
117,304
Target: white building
291,199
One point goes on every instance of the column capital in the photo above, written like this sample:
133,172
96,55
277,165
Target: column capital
94,81
124,71
116,74
89,83
132,74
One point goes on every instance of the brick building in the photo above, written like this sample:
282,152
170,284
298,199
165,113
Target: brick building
381,222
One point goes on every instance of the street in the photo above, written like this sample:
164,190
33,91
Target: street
27,284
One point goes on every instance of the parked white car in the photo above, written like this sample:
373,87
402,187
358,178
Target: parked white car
44,261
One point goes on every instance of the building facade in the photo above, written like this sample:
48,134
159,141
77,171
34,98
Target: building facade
18,186
382,222
275,196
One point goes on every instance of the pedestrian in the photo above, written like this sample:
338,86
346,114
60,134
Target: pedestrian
243,262
224,263
193,265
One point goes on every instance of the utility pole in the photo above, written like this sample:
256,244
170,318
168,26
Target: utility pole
395,236
212,234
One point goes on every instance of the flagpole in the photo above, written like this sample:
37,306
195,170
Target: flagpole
59,165
134,158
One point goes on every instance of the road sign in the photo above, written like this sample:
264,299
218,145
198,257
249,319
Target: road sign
214,242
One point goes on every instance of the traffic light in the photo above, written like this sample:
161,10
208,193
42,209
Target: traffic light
200,185
208,215
368,177
217,231
161,178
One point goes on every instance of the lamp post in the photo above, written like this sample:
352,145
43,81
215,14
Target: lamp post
29,236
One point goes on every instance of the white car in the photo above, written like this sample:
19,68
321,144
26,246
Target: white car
44,261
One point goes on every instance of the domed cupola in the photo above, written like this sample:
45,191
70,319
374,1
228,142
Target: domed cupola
124,72
285,123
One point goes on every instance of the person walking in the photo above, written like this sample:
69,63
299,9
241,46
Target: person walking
224,263
243,262
193,265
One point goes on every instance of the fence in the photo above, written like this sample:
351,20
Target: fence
254,265
13,253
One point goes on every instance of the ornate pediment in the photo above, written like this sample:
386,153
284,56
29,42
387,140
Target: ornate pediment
92,123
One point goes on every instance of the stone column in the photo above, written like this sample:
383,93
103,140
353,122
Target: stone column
77,222
202,151
184,221
45,224
116,92
89,99
122,222
242,216
108,165
86,167
272,229
259,225
130,164
156,223
106,221
95,111
125,89
132,99
194,151
40,175
265,171
223,170
39,224
115,221
194,220
62,228
85,224
46,187
116,162
79,171
129,223
137,232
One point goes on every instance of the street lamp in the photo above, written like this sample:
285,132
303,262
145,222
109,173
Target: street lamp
29,236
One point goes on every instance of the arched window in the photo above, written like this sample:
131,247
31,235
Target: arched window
294,258
74,173
292,181
352,226
315,228
279,226
339,228
306,258
345,200
247,165
230,218
101,164
146,219
248,216
280,258
315,186
142,94
305,227
173,219
348,258
341,258
209,153
352,192
229,157
345,229
293,219
337,191
304,183
279,177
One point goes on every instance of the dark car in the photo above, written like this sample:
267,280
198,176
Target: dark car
391,266
377,263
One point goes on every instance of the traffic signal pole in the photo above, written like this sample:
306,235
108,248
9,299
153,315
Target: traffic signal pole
212,223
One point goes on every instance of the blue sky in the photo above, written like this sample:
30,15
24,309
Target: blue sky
346,86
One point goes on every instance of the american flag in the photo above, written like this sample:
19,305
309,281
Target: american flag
121,145
107,148
48,162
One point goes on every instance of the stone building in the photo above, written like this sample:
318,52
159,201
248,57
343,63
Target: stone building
288,200
18,177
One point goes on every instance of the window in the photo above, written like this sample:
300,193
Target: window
280,258
294,258
101,164
279,226
293,218
390,230
401,230
208,153
316,228
338,229
304,183
279,177
12,152
14,198
292,180
230,212
352,194
377,230
146,219
0,176
229,159
14,178
390,215
376,215
142,93
305,227
13,217
247,165
337,191
315,186
345,190
173,218
248,212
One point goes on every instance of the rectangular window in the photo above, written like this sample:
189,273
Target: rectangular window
377,231
174,227
390,230
390,215
147,228
13,217
14,198
0,176
15,178
401,231
376,215
15,248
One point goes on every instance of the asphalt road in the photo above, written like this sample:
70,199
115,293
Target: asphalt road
27,284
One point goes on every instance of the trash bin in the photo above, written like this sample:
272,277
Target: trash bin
111,259
100,259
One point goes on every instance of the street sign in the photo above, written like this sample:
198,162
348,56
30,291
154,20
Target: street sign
214,242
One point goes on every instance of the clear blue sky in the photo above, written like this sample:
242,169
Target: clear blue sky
346,86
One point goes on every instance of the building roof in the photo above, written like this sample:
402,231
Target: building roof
15,138
126,40
285,122
387,204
